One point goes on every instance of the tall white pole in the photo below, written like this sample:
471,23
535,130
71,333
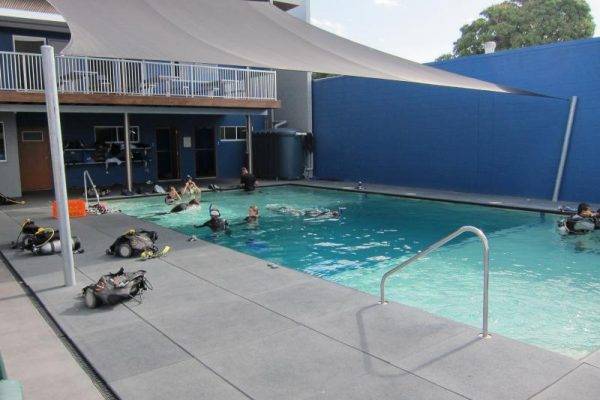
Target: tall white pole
128,179
58,164
565,149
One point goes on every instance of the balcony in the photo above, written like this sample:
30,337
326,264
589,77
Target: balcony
88,80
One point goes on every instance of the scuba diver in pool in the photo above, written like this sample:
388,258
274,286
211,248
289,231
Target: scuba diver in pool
253,214
172,196
323,214
310,213
216,223
191,188
285,210
193,203
584,221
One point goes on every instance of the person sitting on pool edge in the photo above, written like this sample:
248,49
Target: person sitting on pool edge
253,214
172,196
191,188
215,223
248,181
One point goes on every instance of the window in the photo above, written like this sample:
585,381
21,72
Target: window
232,133
115,134
28,44
2,143
32,136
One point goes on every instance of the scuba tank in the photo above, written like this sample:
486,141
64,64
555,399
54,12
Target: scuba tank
135,244
46,241
576,225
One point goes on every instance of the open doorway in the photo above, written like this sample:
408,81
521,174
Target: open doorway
167,154
204,149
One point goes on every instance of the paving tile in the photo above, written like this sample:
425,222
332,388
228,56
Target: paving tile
496,368
76,319
581,384
392,331
192,295
313,299
294,364
593,359
243,275
187,380
214,326
396,385
33,353
118,353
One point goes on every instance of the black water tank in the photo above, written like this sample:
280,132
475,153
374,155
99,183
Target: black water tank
278,154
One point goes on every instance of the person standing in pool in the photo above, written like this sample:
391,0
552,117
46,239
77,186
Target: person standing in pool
215,223
248,181
172,196
253,214
191,188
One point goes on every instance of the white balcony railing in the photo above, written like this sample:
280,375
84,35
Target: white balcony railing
23,72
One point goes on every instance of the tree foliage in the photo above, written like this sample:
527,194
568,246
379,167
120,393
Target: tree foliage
521,23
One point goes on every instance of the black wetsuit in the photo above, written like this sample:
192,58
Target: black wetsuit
179,208
248,182
216,224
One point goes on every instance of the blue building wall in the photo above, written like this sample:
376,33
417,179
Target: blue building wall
230,156
6,36
425,136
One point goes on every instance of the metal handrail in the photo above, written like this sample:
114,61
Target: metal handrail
486,267
86,176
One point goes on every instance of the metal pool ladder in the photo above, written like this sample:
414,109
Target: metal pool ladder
86,177
486,267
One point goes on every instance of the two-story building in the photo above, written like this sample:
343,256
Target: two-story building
184,119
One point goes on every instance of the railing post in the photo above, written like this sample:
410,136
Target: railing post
117,78
237,94
143,83
86,78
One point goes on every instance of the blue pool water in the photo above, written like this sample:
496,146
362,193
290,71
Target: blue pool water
544,288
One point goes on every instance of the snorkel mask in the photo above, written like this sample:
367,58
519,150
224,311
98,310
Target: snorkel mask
214,212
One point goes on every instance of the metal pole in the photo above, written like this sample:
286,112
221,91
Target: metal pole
128,178
486,268
249,143
565,149
58,164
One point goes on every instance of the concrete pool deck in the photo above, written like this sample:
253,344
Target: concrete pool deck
223,325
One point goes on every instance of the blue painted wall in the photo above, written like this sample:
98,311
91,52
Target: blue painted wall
6,36
424,136
230,156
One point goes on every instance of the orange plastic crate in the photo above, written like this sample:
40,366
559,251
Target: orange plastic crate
76,209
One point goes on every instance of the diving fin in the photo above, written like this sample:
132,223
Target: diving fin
149,254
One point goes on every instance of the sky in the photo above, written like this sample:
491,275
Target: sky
420,30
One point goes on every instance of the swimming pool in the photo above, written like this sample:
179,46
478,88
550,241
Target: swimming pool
544,288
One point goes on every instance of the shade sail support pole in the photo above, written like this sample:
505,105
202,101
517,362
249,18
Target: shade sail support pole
58,163
128,177
249,143
565,149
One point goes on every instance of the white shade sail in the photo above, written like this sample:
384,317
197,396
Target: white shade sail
235,32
